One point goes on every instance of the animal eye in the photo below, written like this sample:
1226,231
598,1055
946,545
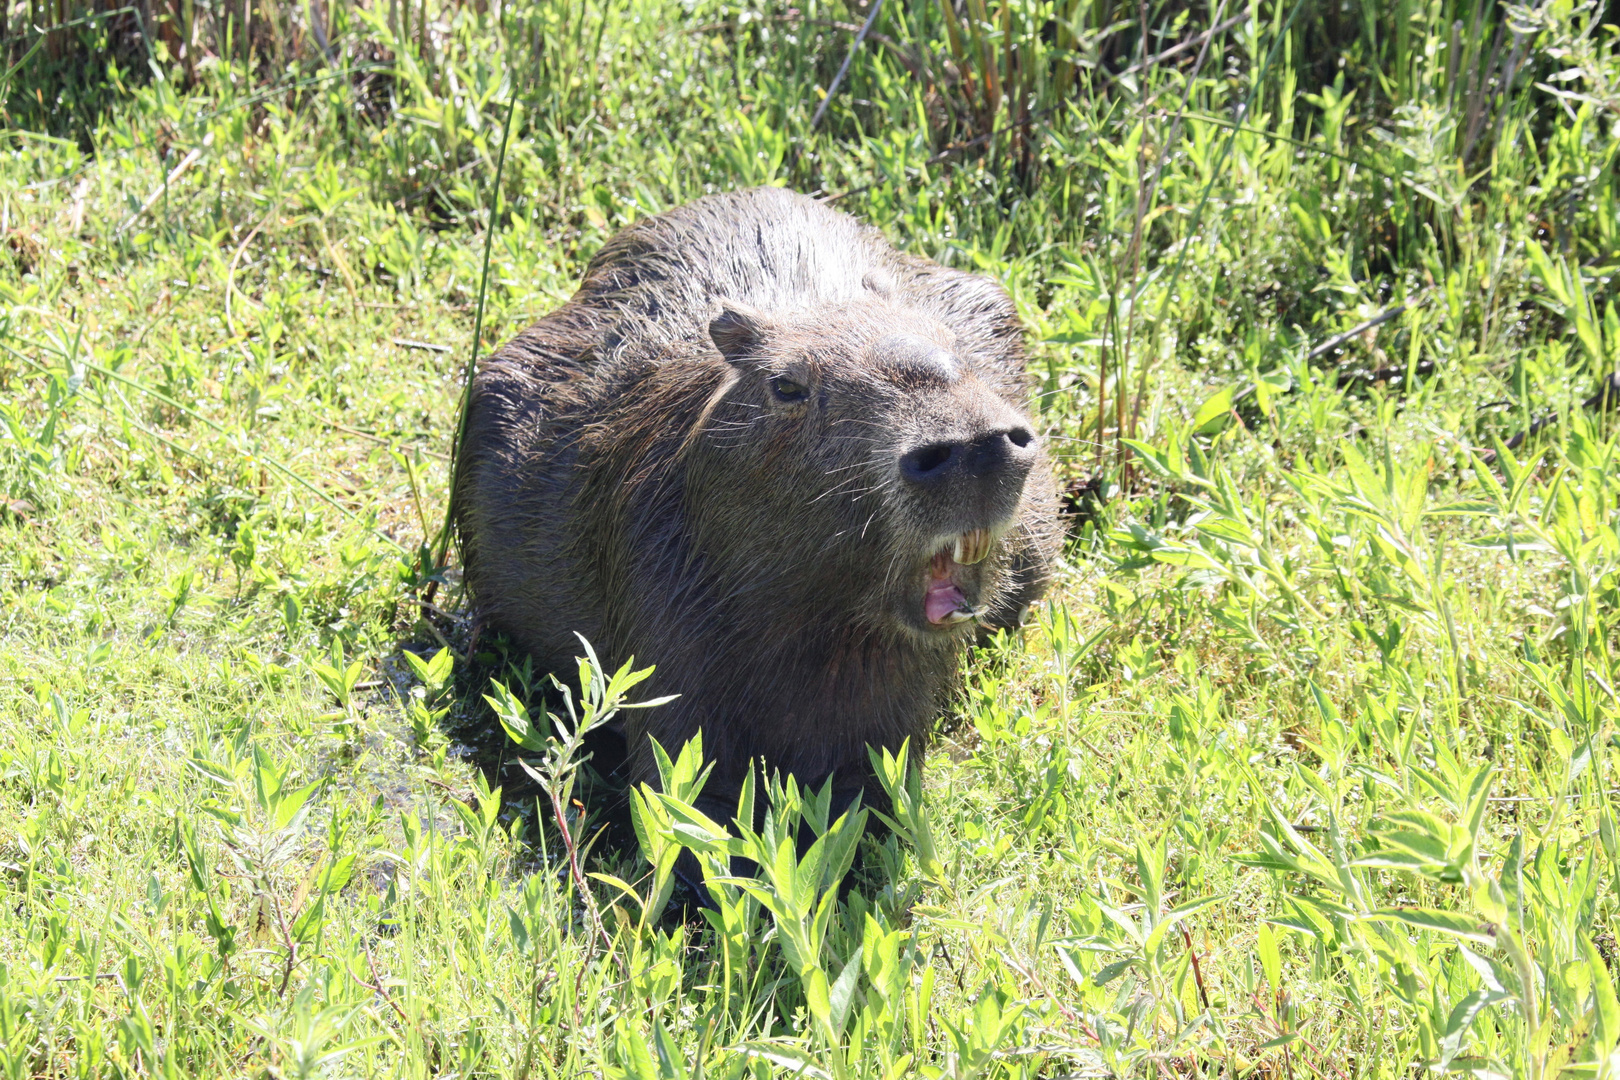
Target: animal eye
788,390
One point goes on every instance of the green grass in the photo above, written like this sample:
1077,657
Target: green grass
1308,767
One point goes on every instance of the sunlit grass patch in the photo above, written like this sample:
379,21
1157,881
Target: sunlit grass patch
1306,767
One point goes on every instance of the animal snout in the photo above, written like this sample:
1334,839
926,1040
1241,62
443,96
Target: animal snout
997,456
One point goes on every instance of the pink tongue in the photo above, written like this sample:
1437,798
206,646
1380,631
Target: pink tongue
942,600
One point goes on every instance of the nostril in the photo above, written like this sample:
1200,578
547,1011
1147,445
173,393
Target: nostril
1020,437
927,461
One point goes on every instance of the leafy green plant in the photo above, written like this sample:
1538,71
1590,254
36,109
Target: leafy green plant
1305,766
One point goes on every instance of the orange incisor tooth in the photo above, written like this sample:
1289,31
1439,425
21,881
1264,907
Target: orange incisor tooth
973,546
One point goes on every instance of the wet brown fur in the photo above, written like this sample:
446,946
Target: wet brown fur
623,479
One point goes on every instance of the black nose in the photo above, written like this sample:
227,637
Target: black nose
996,454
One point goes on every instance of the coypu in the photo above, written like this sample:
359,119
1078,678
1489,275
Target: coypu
775,457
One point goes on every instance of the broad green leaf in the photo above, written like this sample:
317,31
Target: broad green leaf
1270,957
1443,922
290,809
671,1062
1605,1006
433,673
635,1057
518,929
1421,846
514,718
842,994
816,996
1174,916
214,771
339,874
1281,1040
1213,413
795,1061
618,883
1192,907
1461,1019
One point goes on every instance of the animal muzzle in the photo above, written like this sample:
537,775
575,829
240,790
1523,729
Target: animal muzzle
968,490
976,481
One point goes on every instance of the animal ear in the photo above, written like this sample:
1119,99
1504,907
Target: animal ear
739,333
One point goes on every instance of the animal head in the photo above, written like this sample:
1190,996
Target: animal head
863,461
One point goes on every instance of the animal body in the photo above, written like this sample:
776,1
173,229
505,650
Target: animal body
784,462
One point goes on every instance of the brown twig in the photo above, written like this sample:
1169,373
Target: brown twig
379,439
843,69
1198,971
230,273
377,987
1377,320
465,800
1199,39
1260,1007
434,630
411,343
559,814
157,193
1068,1014
1606,399
436,610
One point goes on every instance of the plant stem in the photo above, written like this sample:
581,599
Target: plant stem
442,544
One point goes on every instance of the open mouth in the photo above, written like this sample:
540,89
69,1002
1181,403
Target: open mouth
944,602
